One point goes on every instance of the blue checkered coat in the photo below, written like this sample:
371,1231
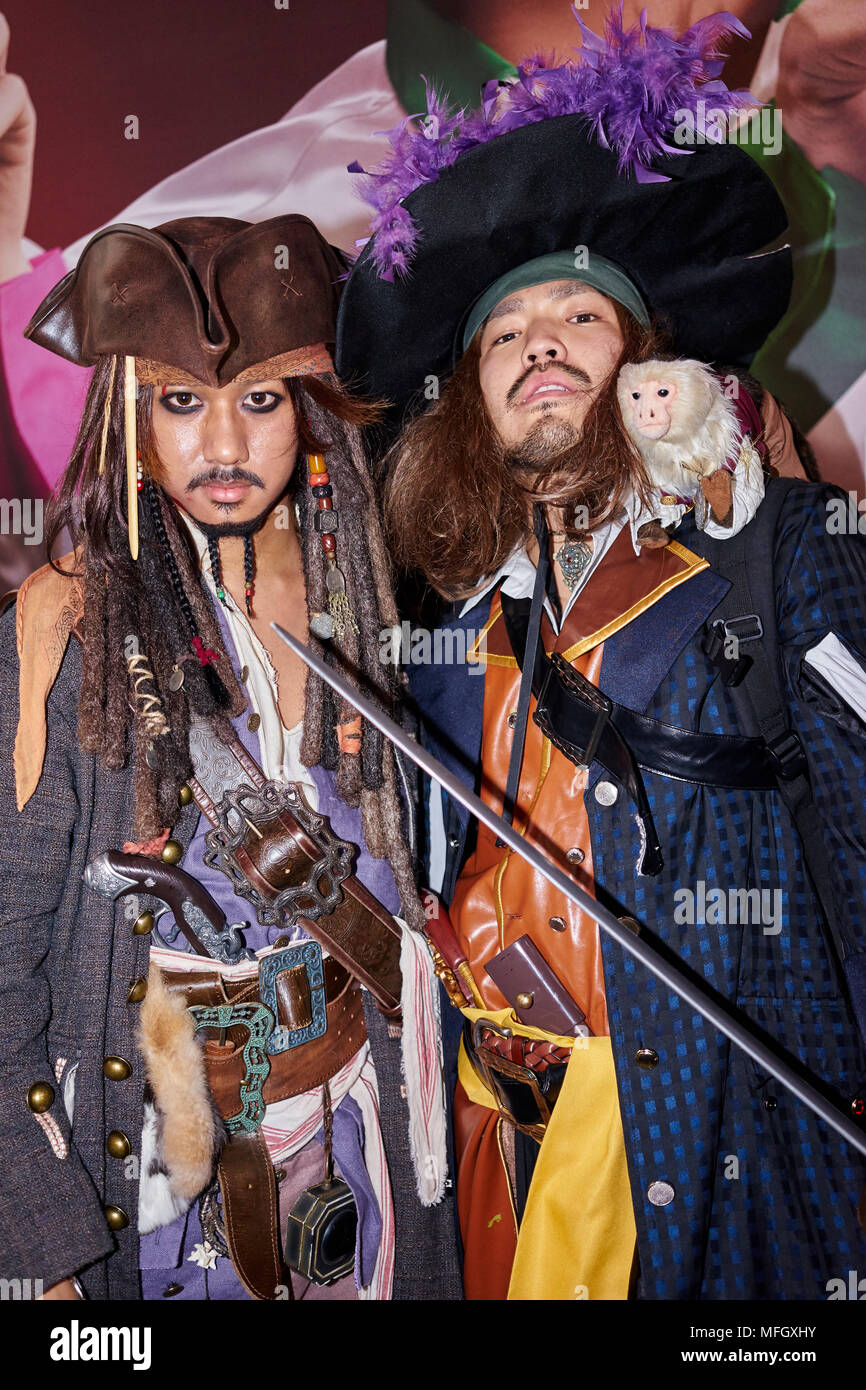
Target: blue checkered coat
765,1196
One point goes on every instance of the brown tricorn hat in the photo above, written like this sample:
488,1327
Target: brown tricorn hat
211,298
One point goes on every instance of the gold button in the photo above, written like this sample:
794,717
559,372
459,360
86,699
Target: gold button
116,1068
137,991
116,1217
245,674
280,1174
525,1001
632,925
282,941
647,1057
253,722
143,924
185,796
118,1144
40,1097
173,852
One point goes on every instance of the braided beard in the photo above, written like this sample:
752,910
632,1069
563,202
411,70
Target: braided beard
246,530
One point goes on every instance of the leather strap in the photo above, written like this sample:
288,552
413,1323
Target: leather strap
251,1215
718,760
292,1072
278,852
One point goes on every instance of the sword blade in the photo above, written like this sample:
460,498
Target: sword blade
723,1016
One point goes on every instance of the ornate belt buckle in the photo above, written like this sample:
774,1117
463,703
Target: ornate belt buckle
493,1067
306,955
259,1022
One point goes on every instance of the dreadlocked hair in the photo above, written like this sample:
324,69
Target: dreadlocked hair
139,617
328,423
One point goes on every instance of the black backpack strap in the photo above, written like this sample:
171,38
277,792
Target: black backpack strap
751,666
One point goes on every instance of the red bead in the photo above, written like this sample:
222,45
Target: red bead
329,543
140,485
319,479
325,504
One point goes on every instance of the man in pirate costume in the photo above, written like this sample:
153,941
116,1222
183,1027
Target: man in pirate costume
201,854
611,1144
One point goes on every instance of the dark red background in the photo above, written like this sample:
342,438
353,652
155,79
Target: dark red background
197,73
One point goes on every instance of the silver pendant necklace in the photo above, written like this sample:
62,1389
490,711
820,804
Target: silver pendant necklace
573,557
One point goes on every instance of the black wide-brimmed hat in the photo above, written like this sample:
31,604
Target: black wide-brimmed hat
692,228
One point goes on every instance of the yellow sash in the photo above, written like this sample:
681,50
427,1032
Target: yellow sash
577,1236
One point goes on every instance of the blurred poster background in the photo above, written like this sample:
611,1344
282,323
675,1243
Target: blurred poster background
148,112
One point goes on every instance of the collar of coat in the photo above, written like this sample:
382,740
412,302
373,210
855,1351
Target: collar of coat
50,608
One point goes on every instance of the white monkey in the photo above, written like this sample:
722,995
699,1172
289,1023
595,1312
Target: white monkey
689,435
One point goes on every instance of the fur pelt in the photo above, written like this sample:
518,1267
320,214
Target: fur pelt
183,1133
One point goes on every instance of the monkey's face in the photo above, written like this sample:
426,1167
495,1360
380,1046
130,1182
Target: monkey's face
545,353
648,406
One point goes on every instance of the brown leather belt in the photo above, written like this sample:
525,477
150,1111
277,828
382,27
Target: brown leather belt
246,1175
296,1070
524,1075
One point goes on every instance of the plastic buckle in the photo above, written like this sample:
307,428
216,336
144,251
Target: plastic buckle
307,956
787,753
732,669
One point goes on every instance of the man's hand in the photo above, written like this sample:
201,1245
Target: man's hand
17,143
65,1289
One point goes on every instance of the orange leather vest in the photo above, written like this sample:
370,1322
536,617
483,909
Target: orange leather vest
498,896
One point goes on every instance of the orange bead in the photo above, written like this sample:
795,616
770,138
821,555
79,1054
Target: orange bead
317,463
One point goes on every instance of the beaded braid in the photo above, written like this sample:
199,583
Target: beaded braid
212,679
249,567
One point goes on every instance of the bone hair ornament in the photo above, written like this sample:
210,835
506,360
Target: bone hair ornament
690,437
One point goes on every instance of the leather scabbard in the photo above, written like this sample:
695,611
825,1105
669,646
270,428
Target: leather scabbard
278,853
251,1215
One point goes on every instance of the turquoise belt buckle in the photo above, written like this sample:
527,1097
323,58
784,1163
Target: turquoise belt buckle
259,1022
309,955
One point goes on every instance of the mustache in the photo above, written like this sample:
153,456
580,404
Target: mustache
577,372
223,478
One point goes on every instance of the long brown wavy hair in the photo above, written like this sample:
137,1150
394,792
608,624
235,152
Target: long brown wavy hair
456,507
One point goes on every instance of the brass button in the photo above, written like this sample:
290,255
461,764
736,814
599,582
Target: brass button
647,1057
606,793
173,852
137,991
512,719
118,1144
557,923
253,722
525,1000
661,1194
116,1217
632,925
282,941
40,1097
143,924
171,1290
185,795
575,856
245,674
280,1174
116,1068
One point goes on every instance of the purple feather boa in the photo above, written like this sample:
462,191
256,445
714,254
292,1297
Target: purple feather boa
630,85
